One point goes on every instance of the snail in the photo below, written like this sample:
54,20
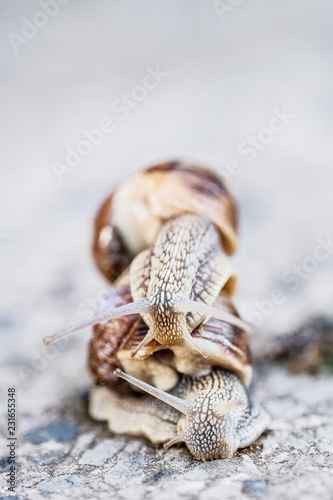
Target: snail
169,328
175,223
217,415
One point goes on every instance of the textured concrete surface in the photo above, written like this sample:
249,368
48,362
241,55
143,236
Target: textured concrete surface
226,77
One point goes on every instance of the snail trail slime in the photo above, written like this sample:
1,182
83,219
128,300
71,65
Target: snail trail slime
169,352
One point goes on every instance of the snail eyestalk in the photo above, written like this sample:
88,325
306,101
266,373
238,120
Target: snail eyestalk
178,439
184,407
141,306
187,305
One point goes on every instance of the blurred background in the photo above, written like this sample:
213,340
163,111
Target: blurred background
242,87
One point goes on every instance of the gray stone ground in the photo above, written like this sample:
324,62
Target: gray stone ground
226,79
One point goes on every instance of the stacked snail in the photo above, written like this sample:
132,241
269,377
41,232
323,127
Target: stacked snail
169,351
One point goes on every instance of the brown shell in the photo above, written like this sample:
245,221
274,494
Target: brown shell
130,219
108,338
113,342
109,250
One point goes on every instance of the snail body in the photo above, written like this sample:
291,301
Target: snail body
186,267
213,414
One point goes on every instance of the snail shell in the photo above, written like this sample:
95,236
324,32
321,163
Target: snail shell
131,218
113,342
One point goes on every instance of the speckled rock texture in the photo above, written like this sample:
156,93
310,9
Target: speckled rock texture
224,73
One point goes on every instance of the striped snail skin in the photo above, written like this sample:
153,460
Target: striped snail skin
213,414
186,263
